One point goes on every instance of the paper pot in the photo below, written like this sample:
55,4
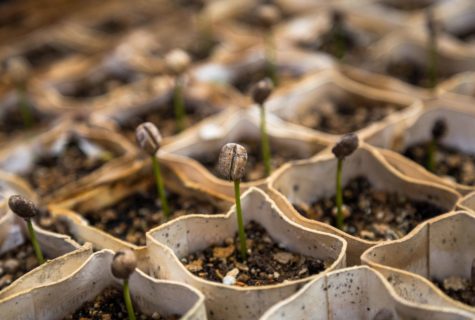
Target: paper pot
174,240
459,118
207,139
61,298
350,293
20,158
331,87
137,177
308,180
439,248
467,203
461,86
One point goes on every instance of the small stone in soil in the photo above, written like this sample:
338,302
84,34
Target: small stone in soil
130,218
373,214
267,263
110,305
458,288
450,162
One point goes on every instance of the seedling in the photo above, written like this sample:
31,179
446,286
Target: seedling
439,130
345,147
26,209
123,265
260,92
432,48
149,139
19,71
269,15
232,166
338,37
177,62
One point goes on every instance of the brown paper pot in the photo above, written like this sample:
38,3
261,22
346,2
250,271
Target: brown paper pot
231,126
168,243
308,180
350,294
316,91
459,118
439,248
61,298
20,158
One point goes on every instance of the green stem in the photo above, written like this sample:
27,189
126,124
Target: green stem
433,62
34,242
160,188
179,105
432,149
242,234
265,147
339,42
128,300
24,108
271,68
339,195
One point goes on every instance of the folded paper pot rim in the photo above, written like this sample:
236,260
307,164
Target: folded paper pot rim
467,203
169,241
367,155
347,293
60,298
436,257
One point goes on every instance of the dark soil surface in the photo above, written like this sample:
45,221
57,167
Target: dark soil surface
130,218
47,222
413,73
373,214
12,122
335,44
449,162
51,172
266,264
255,168
407,5
465,35
164,118
340,117
109,305
46,54
16,262
458,288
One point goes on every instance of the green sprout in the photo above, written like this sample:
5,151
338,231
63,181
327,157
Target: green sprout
178,62
269,15
232,166
19,71
439,130
27,210
149,139
260,92
345,147
123,265
432,48
337,32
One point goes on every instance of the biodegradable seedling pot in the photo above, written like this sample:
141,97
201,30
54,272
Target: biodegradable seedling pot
171,242
460,86
439,248
205,140
306,181
458,117
94,144
61,298
467,203
350,293
320,95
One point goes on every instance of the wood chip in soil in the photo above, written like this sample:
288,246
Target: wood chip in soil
130,218
340,116
267,262
16,262
458,288
109,305
450,162
372,214
255,167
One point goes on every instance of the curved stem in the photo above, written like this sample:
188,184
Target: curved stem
179,105
242,234
339,195
160,187
128,301
433,62
34,242
265,147
24,108
270,59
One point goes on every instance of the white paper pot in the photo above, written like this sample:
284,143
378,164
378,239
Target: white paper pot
438,248
459,87
308,180
168,243
467,203
61,298
350,293
230,126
